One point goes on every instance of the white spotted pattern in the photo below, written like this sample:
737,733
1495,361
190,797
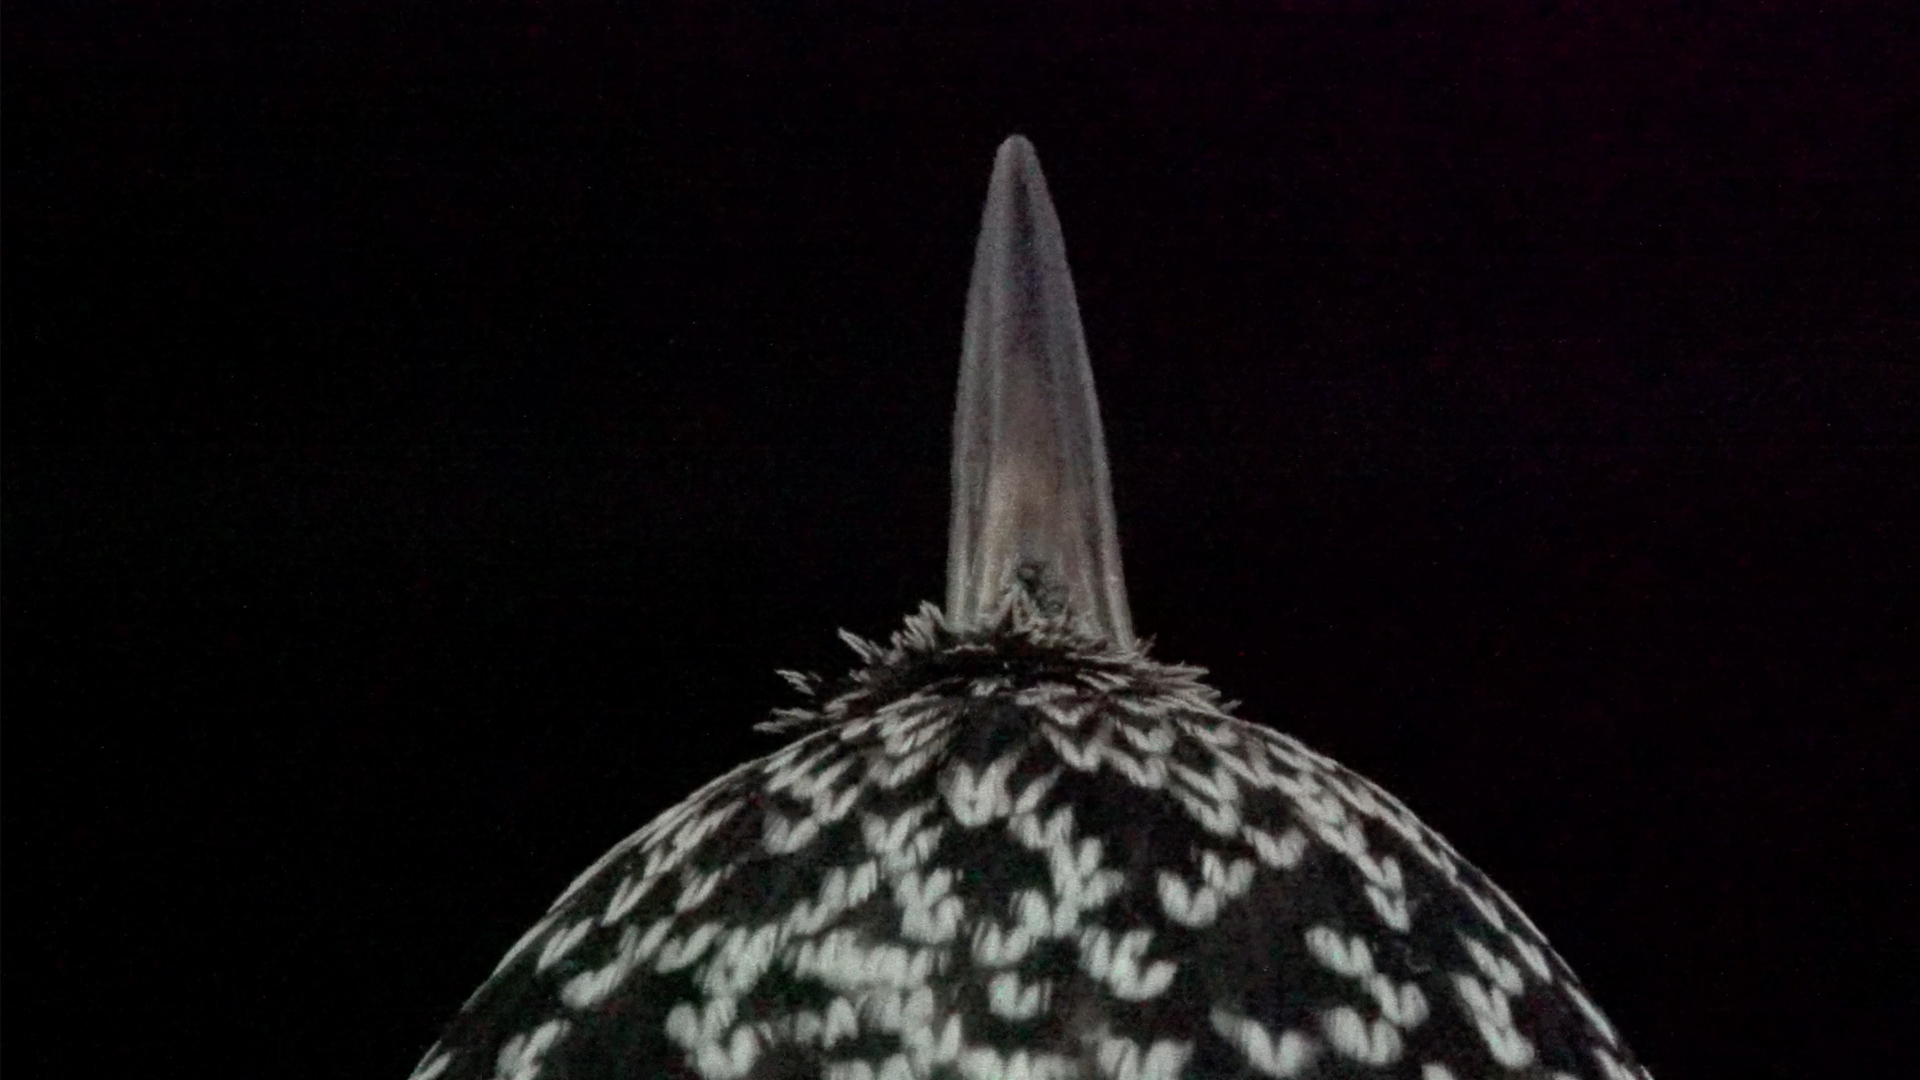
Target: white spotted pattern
1025,854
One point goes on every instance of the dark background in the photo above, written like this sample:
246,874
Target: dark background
426,430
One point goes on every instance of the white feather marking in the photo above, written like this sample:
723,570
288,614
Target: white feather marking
1285,1056
1375,1043
523,1055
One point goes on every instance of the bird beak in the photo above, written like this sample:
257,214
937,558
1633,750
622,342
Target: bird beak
1032,503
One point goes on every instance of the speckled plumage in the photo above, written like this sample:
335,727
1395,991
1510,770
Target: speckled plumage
1012,845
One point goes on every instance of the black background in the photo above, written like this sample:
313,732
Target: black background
426,430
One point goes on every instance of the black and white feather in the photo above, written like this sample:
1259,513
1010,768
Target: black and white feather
1010,845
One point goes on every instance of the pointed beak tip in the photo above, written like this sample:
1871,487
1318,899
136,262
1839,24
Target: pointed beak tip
1016,151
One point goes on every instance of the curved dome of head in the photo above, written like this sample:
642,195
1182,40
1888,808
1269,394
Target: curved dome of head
1010,844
